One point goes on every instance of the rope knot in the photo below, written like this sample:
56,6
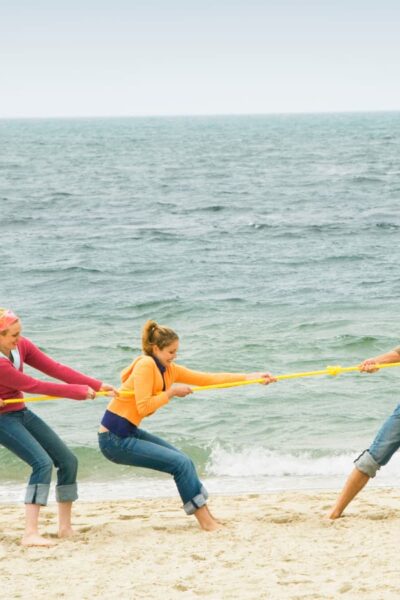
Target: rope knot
334,370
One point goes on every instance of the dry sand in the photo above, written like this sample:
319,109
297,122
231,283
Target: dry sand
273,546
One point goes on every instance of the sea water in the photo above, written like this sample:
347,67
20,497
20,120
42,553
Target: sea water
266,242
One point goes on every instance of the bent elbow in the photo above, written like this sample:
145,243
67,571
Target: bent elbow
143,410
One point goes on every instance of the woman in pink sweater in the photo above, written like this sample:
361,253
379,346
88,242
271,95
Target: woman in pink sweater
27,436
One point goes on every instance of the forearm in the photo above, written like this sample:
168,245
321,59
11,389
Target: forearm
392,356
148,404
184,375
44,363
16,382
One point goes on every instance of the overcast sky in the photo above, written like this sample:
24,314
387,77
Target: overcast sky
172,57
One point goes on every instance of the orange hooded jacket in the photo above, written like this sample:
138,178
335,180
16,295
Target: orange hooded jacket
144,379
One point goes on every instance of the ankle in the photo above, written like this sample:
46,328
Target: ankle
65,532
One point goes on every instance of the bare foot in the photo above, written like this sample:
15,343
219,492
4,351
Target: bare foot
211,525
35,539
66,532
334,514
206,520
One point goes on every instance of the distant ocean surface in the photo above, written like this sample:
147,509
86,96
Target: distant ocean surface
266,242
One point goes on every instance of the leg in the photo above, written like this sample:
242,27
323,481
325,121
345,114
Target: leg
202,513
67,467
150,452
355,483
385,444
32,536
16,438
64,520
206,520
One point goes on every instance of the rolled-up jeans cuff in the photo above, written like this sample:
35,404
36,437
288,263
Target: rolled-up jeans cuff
366,464
37,493
196,502
66,493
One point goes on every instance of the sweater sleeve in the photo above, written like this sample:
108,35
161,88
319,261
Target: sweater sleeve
142,381
184,375
42,362
17,381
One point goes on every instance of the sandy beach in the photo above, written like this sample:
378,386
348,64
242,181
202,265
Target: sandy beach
273,546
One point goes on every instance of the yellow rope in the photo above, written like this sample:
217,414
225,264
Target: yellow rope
332,370
42,398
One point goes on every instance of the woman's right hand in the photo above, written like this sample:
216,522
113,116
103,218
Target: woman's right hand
266,377
179,389
2,405
368,366
91,394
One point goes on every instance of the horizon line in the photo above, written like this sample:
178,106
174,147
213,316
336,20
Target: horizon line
199,115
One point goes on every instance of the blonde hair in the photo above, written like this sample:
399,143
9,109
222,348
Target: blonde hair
154,334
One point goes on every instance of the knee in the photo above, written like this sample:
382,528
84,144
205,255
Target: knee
69,465
183,465
42,469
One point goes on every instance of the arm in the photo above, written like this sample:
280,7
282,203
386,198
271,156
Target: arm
184,375
17,381
392,356
40,361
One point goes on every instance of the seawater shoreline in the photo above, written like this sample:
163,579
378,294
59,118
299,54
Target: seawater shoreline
159,489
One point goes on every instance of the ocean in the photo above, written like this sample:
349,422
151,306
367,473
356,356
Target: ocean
266,242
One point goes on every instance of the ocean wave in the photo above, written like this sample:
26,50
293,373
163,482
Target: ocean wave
260,461
44,270
367,179
212,208
386,226
56,195
354,341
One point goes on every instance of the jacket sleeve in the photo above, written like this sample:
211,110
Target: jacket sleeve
142,382
184,375
16,380
42,362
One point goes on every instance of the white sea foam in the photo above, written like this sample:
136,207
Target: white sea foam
262,462
250,470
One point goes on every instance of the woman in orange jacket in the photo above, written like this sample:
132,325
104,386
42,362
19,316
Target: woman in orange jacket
154,379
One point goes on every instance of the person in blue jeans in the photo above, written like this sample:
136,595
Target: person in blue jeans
27,436
153,380
385,444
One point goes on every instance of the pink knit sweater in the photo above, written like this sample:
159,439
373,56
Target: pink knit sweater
13,382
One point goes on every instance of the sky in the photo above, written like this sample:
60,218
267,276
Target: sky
62,58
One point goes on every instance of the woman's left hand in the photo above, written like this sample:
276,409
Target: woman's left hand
267,377
112,391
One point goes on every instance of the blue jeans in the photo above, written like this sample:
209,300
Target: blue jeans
151,452
385,444
27,436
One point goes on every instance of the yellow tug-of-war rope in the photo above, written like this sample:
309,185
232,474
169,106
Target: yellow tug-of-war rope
330,370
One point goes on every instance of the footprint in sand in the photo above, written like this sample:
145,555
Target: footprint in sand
198,557
131,517
383,516
180,587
